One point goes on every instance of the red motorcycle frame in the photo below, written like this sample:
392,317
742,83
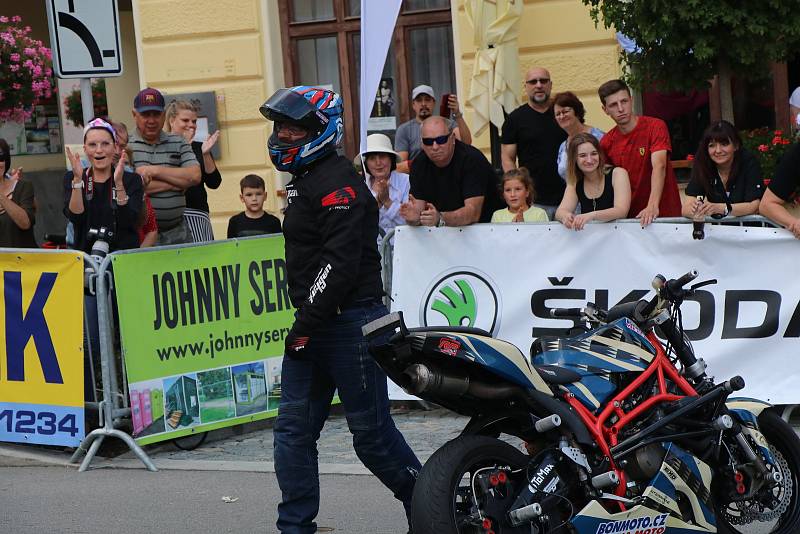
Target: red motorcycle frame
606,436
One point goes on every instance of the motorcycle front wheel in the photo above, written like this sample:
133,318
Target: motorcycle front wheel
447,498
782,514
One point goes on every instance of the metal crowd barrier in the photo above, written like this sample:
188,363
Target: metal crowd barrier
112,407
115,405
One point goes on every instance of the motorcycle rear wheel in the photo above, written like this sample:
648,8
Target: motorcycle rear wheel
443,493
783,439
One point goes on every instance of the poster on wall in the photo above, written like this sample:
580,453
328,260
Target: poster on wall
40,134
383,116
202,332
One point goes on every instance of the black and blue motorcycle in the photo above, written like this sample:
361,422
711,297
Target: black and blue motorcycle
623,433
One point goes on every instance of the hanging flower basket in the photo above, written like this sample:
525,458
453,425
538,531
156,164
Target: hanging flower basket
74,110
26,76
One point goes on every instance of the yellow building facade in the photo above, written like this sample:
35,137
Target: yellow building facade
235,48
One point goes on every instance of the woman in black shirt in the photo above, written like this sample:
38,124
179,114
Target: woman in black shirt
181,119
102,196
603,196
725,174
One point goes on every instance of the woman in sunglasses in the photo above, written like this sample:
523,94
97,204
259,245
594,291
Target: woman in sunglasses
103,200
16,204
603,194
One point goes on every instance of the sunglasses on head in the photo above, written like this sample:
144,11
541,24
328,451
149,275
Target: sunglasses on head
534,81
440,140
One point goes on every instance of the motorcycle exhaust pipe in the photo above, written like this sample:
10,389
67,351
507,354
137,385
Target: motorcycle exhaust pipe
423,379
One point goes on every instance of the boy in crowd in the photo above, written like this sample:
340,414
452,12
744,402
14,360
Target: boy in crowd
253,220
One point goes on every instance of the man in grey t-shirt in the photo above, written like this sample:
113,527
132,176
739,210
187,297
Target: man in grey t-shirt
167,165
407,140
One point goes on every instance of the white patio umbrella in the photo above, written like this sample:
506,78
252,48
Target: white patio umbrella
495,77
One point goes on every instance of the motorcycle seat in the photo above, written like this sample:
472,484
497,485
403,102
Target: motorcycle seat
453,329
552,374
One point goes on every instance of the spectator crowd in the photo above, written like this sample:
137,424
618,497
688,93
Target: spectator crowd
149,186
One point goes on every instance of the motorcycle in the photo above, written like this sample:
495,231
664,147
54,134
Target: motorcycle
623,433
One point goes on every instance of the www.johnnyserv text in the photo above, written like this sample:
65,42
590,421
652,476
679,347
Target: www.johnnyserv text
216,345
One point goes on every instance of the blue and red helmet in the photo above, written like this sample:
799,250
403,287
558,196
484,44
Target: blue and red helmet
317,110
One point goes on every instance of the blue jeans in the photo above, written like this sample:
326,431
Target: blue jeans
336,358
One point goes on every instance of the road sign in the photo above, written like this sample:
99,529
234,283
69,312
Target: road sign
84,36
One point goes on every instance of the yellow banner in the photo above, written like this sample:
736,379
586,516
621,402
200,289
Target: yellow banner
41,316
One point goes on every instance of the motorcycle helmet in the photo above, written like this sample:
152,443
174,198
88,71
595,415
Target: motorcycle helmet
317,110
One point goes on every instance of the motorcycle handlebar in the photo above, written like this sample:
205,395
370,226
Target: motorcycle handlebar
675,286
566,313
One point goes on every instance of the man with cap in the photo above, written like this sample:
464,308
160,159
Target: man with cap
167,165
333,268
407,138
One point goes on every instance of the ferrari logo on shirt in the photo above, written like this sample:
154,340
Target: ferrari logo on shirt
641,151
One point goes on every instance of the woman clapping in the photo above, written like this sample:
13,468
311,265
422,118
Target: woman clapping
102,199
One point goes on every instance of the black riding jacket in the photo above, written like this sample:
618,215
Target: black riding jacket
331,228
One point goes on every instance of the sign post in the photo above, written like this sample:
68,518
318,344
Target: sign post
84,36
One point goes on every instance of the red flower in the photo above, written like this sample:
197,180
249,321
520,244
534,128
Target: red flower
778,133
767,181
785,142
763,148
776,141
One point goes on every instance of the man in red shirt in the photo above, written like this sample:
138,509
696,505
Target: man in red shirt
641,146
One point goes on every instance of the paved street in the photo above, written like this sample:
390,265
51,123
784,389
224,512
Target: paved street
186,495
425,432
46,500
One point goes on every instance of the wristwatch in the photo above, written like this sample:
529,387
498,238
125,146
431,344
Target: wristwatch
77,185
441,221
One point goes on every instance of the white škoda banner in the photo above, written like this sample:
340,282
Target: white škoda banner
505,278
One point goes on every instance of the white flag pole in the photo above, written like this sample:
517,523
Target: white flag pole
377,27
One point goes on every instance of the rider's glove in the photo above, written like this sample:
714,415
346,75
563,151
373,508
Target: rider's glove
295,345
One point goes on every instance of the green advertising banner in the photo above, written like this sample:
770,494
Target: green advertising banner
202,332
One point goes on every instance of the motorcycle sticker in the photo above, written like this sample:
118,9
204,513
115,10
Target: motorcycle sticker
448,346
647,524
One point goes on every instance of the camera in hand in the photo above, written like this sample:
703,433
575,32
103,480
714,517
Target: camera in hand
101,239
698,221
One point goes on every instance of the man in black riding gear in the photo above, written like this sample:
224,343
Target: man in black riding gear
330,229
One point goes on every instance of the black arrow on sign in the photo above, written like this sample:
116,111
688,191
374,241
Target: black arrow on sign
65,20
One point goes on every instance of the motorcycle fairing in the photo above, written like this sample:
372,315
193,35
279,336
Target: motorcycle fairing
594,519
498,356
683,474
615,348
746,410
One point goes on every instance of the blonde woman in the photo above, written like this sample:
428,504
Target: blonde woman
181,119
604,195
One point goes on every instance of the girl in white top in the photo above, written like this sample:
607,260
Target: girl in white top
518,194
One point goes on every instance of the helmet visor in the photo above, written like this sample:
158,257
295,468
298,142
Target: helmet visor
286,105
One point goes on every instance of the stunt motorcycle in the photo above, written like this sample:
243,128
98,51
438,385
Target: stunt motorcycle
625,434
